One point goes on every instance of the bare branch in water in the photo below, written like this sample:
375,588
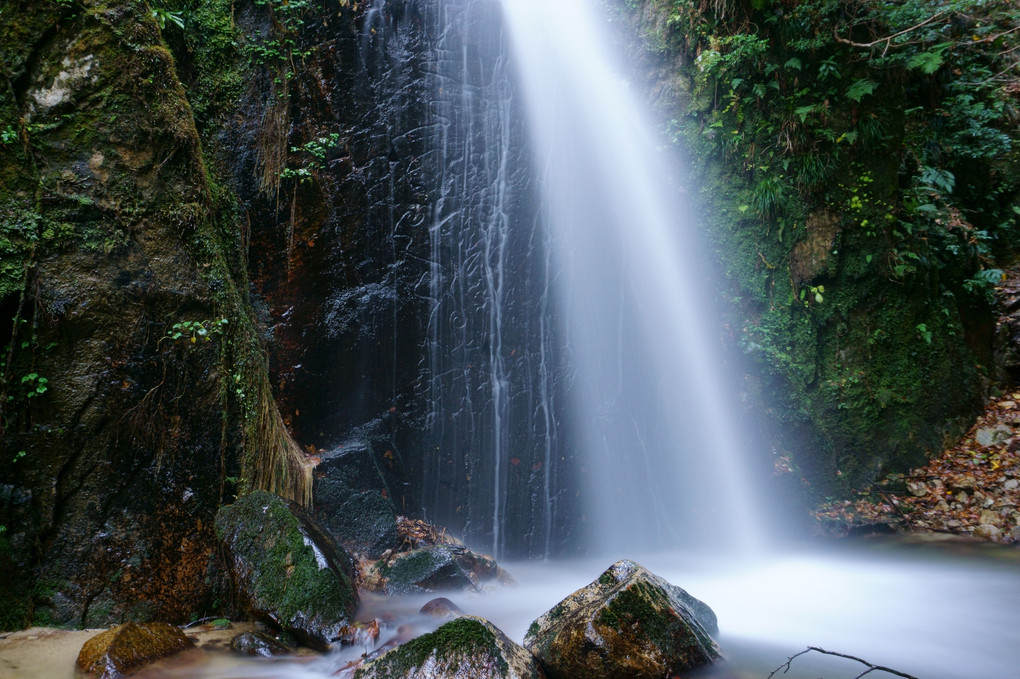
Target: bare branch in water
785,667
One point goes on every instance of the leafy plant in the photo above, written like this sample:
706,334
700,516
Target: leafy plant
193,331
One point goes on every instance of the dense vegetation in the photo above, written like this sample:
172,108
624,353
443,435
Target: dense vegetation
861,191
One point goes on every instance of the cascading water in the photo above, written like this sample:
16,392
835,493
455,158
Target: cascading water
614,357
663,461
492,457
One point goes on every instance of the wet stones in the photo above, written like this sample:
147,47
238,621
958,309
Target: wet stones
433,569
627,623
352,501
287,572
465,647
126,648
258,644
441,608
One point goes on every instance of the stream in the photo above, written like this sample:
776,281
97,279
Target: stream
936,610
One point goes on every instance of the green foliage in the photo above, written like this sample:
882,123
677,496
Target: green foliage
857,164
313,155
193,331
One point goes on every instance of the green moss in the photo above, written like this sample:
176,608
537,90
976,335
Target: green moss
453,644
281,571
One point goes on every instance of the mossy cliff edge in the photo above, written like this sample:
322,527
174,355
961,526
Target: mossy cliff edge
854,169
135,391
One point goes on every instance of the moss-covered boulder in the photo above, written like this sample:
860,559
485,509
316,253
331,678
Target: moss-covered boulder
125,648
135,394
465,647
287,572
627,624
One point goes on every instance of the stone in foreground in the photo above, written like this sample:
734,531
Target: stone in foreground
628,624
465,648
126,648
258,644
288,573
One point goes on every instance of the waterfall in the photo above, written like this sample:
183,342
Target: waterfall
662,459
491,458
570,374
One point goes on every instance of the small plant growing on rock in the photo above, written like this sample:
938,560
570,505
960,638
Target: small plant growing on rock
193,331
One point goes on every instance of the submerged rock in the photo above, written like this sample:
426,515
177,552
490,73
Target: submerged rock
467,647
258,644
287,572
628,624
441,608
126,648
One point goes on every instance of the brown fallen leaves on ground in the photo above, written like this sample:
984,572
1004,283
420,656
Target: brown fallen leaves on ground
973,489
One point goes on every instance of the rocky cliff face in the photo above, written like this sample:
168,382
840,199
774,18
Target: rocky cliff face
136,398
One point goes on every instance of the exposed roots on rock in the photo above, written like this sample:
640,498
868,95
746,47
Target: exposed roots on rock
275,462
272,142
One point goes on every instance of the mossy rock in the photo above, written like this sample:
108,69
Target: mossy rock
287,572
627,624
128,647
465,647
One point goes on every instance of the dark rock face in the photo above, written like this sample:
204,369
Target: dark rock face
465,647
117,438
126,648
258,644
286,571
379,270
628,623
352,500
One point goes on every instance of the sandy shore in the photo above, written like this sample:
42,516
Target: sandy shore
49,653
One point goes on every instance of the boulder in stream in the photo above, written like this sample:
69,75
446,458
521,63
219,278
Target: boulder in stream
258,644
434,569
629,624
287,572
128,647
465,647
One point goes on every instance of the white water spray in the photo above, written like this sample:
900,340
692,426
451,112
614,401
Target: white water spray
651,411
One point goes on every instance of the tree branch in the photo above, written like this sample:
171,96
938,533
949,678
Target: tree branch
888,39
785,667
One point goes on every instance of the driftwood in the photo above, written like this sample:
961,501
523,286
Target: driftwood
785,667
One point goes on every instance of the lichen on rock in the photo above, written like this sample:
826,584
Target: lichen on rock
627,623
464,648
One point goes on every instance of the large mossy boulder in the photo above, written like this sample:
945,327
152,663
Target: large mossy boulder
627,624
465,647
124,302
128,647
287,572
